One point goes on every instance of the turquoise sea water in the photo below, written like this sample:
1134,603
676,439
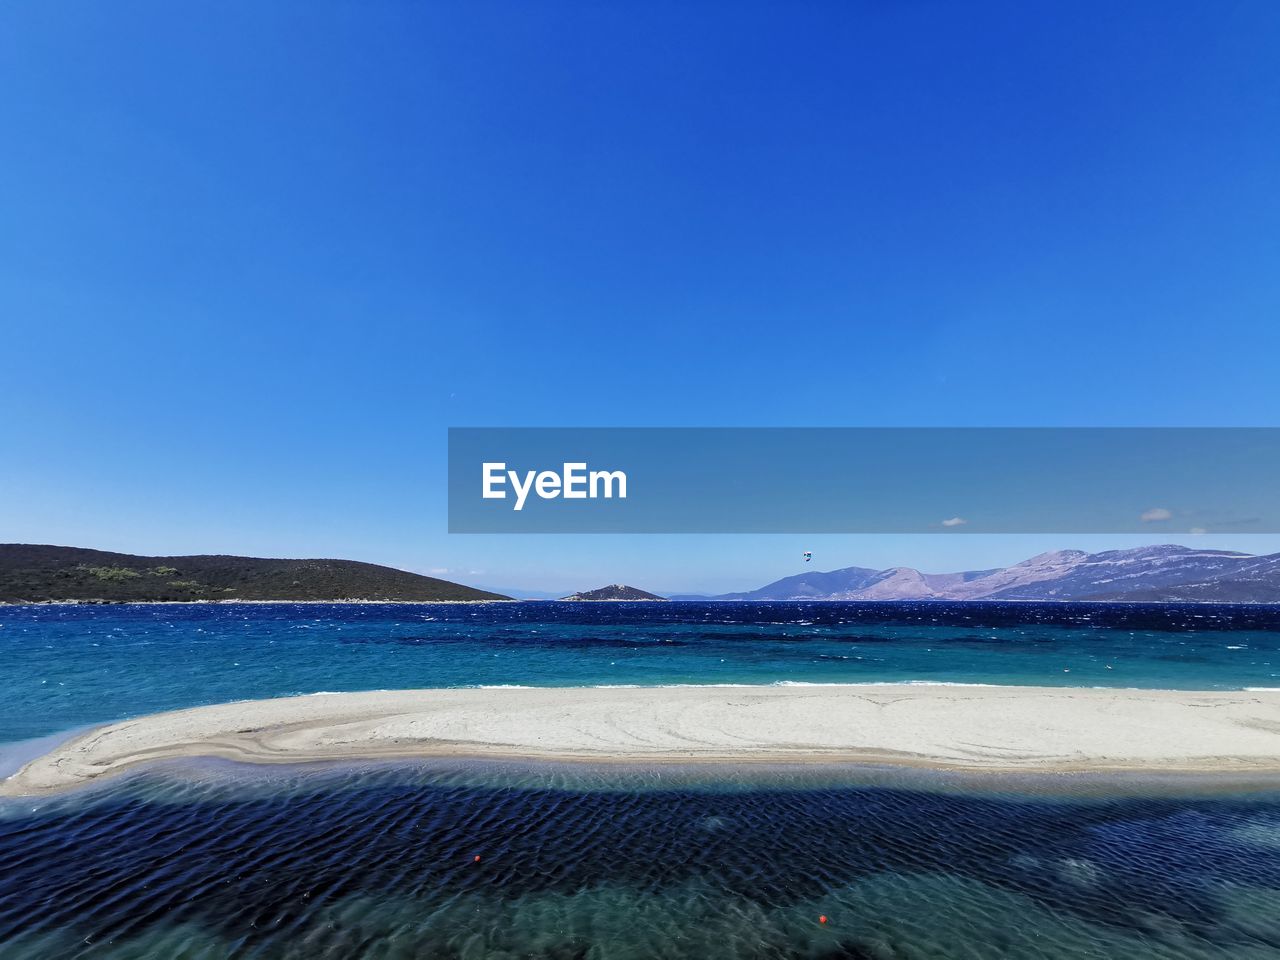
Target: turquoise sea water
206,859
67,666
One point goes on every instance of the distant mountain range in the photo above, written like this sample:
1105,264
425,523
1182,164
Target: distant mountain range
1160,573
616,591
36,572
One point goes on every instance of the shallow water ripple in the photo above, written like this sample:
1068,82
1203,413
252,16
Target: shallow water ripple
379,863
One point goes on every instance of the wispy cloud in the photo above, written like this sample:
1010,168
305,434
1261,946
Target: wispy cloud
1198,531
955,522
1156,513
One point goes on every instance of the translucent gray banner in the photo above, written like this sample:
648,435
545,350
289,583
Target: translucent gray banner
863,480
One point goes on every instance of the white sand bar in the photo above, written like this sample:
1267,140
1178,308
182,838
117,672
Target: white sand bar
970,727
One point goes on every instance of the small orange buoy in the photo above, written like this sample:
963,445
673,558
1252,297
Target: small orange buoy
823,918
476,858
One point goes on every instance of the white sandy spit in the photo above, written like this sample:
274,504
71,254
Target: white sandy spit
979,727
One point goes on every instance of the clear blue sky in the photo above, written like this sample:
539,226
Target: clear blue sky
258,256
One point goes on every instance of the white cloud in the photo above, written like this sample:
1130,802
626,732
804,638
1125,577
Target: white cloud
1198,531
1156,513
955,522
438,570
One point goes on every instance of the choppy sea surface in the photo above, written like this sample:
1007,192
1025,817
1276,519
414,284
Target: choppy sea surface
206,859
66,666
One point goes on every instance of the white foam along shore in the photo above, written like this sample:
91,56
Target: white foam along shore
998,728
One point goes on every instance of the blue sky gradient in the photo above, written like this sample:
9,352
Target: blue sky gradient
258,257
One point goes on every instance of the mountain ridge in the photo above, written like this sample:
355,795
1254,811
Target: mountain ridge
1167,572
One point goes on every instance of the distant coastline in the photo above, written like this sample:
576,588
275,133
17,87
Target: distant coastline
1164,573
34,573
356,601
338,601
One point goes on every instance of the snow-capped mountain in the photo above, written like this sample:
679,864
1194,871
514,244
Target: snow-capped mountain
1165,572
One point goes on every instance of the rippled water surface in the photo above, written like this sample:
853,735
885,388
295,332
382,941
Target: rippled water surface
381,862
66,666
214,860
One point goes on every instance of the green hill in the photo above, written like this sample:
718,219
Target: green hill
33,572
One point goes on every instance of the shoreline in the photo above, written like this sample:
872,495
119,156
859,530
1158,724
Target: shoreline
1002,729
353,601
209,603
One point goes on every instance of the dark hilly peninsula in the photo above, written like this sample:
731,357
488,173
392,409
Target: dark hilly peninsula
33,573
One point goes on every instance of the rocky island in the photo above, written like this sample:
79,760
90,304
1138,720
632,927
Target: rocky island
615,591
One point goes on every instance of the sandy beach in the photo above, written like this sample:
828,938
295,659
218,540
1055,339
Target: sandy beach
957,727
